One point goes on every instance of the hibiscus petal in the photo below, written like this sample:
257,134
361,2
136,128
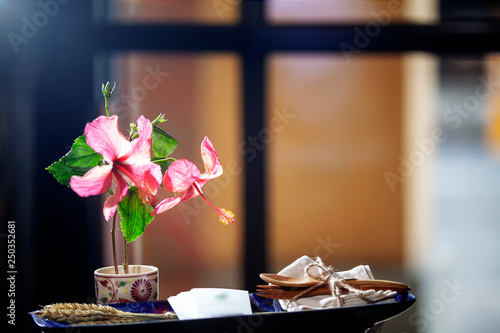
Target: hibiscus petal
213,168
154,175
180,176
141,147
190,194
111,203
95,181
150,183
145,176
104,137
166,204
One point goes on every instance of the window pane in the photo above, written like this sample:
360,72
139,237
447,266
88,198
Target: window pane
200,96
466,193
350,11
218,12
337,131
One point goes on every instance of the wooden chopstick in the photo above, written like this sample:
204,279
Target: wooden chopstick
278,292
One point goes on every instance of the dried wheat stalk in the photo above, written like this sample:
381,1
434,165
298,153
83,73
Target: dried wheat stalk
88,314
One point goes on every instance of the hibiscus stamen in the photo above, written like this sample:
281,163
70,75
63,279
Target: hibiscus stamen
225,216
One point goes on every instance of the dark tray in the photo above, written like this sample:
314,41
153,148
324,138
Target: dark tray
349,319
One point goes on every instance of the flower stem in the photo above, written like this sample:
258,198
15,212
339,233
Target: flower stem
159,159
106,106
113,243
125,254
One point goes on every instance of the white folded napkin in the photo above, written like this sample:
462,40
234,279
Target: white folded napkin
362,272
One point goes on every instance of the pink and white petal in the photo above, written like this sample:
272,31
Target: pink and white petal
190,193
134,173
151,181
166,204
140,147
202,181
180,176
95,181
111,203
171,202
213,168
104,137
154,175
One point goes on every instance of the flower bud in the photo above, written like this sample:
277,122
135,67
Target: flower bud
107,91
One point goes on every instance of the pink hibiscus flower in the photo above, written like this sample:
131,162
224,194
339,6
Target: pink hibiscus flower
185,179
128,162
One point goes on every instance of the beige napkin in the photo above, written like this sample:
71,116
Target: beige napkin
362,272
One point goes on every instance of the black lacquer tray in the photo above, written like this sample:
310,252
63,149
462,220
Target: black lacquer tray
348,319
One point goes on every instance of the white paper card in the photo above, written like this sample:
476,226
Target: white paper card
211,302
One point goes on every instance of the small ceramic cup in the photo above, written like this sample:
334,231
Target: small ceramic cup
139,285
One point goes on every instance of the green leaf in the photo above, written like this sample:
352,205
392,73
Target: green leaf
80,159
135,215
163,144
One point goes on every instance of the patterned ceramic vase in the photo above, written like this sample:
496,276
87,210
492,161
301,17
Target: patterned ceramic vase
139,285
